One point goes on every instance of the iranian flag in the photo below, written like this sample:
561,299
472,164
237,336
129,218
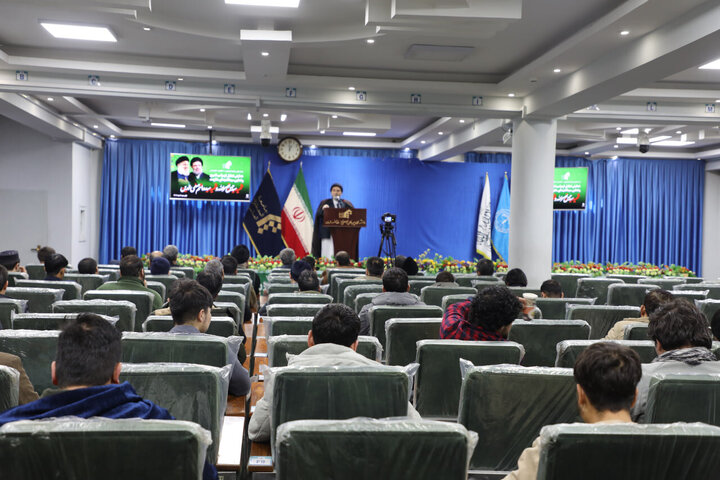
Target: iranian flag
297,220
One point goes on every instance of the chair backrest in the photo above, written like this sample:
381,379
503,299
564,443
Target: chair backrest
282,288
235,297
124,310
36,271
519,291
664,283
195,393
341,283
508,405
237,279
220,326
636,331
691,279
287,326
568,350
595,287
601,317
158,287
540,337
352,291
692,295
337,393
9,388
8,306
629,294
448,300
397,449
228,309
40,300
568,282
179,272
379,314
79,448
434,295
14,276
112,274
48,321
87,281
72,290
629,451
36,349
467,280
437,389
556,308
293,309
175,348
363,299
683,398
143,301
417,285
341,273
630,279
713,289
279,346
188,271
304,298
402,335
707,307
167,280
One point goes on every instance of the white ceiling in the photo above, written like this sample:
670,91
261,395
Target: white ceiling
449,51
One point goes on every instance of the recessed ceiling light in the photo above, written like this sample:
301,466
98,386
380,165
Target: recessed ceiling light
283,117
214,142
265,115
625,32
79,32
180,79
618,128
209,127
259,129
147,29
112,136
679,132
167,125
95,126
249,116
614,157
313,146
423,142
202,109
441,133
359,134
322,132
265,3
462,120
630,131
351,88
511,94
370,41
50,99
334,116
615,146
717,100
265,54
407,149
556,70
587,153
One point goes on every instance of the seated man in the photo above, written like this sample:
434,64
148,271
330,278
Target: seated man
486,316
190,305
87,371
445,279
241,253
516,278
374,267
409,265
607,375
230,266
308,282
3,282
297,268
682,341
342,260
310,260
159,266
55,266
395,291
333,342
286,257
27,391
485,267
551,289
132,277
88,266
10,259
127,251
653,300
43,253
170,252
714,325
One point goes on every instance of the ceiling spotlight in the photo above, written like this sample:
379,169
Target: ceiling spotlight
618,128
614,157
167,125
679,132
322,132
334,116
283,117
202,109
625,32
441,133
209,127
556,70
511,94
423,142
313,146
147,29
214,142
112,136
95,126
359,134
587,153
615,146
370,41
407,149
249,116
265,115
50,99
180,79
462,120
265,54
717,100
351,88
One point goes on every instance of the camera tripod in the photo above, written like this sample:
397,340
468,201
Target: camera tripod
388,243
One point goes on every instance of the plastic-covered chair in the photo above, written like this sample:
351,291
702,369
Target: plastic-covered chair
692,295
712,288
87,281
112,274
195,393
437,388
595,287
568,282
519,291
282,288
158,287
627,451
601,317
36,349
143,301
683,398
708,307
569,350
167,280
188,271
507,406
287,326
279,346
14,276
352,291
434,295
390,449
467,280
72,290
8,306
417,285
341,283
228,309
49,321
402,335
154,347
636,331
664,283
556,308
629,279
220,326
122,309
111,449
363,299
9,388
379,314
36,271
235,297
448,300
39,300
629,294
294,309
298,297
540,337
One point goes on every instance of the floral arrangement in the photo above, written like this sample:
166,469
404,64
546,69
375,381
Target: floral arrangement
625,268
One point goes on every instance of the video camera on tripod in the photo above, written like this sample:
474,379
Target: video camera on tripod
387,236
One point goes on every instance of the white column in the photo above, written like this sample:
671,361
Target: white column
711,222
531,190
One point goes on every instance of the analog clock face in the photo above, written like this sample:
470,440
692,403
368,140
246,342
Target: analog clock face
289,149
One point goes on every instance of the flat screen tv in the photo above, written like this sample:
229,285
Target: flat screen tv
209,177
570,188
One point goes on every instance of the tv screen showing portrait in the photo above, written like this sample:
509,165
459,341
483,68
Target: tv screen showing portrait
209,177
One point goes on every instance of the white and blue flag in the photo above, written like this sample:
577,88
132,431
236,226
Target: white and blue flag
501,225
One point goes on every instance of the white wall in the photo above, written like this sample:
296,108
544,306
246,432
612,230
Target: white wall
711,222
43,184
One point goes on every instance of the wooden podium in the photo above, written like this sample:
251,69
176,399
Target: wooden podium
345,225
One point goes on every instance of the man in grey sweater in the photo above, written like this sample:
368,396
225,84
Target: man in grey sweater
396,291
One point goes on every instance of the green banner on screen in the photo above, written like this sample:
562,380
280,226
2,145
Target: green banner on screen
209,177
570,188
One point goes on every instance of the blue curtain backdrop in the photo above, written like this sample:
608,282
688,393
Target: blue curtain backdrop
638,210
